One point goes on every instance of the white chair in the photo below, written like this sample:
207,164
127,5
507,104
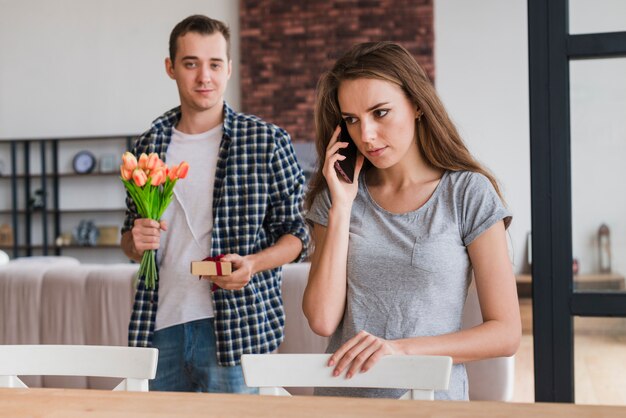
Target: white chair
491,379
135,365
422,375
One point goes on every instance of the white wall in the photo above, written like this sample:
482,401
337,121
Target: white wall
75,68
481,66
93,67
85,67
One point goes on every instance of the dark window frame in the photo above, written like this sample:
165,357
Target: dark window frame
551,48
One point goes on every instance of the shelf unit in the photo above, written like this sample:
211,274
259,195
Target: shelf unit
587,282
49,174
59,247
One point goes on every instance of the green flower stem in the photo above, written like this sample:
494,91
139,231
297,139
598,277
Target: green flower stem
151,202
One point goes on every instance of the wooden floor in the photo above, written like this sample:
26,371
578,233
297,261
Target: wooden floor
599,355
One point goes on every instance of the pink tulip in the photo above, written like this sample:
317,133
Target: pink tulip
139,177
126,174
182,170
129,161
143,161
158,177
153,160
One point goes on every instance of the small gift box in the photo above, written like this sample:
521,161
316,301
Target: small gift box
211,268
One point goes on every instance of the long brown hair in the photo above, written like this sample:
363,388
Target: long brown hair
438,139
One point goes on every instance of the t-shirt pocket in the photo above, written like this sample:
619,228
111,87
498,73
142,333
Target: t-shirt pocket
438,254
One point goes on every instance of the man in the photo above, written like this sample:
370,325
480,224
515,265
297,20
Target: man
241,197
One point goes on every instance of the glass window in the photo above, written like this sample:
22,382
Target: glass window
598,157
592,16
599,353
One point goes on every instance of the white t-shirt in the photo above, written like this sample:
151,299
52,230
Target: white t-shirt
182,297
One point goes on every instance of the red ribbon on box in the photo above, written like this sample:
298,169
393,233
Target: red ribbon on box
218,267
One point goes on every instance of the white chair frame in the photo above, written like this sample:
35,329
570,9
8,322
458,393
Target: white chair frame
133,364
421,375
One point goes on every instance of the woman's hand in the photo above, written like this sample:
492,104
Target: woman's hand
341,193
360,353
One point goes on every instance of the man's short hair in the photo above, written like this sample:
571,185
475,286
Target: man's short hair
199,24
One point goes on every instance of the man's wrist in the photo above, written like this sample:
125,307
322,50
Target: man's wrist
252,261
128,246
138,254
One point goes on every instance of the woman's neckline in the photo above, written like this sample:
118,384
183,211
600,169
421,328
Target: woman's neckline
433,196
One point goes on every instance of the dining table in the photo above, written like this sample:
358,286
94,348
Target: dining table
69,403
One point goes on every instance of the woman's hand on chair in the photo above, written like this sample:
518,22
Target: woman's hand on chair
360,353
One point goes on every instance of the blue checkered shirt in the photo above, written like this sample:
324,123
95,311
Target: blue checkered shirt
258,196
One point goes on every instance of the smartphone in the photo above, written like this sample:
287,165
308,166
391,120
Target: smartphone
345,168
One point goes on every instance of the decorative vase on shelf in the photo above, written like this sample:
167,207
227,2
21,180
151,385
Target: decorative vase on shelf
604,248
86,234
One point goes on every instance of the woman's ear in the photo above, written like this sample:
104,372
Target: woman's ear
418,114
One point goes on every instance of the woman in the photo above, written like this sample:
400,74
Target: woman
395,249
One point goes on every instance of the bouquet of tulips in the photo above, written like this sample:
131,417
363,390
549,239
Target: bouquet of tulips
150,183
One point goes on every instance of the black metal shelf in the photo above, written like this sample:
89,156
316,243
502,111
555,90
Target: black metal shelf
73,138
48,177
92,210
68,211
60,175
54,247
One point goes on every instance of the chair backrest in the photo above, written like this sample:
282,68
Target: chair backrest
491,379
422,375
134,364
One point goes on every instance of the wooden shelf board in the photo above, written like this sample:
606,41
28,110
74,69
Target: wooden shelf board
50,211
54,247
598,281
62,175
597,277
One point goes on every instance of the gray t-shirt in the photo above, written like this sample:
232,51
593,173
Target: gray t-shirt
408,273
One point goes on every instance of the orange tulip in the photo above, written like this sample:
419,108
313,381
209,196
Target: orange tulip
158,177
171,173
153,161
182,170
126,174
143,161
129,161
150,202
160,164
139,177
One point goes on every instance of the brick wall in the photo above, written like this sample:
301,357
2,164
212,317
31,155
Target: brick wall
286,45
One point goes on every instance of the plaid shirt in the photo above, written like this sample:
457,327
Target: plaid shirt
257,199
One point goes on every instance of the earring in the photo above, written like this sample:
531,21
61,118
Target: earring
419,116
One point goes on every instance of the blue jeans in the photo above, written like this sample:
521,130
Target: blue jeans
188,361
